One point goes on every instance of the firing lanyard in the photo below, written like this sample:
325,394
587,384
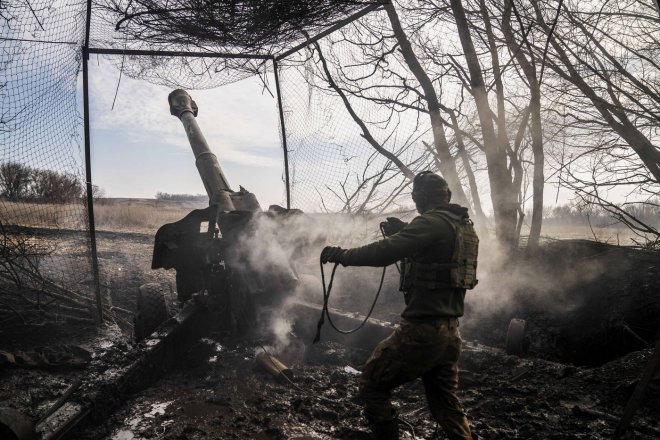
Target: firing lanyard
326,297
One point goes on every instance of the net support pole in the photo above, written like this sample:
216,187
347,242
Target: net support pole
88,169
283,128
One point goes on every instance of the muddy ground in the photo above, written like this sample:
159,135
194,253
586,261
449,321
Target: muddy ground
219,392
216,391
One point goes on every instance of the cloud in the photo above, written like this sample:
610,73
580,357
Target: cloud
238,121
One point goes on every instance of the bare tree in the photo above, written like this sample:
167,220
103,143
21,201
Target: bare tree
610,55
15,180
446,162
389,76
363,193
602,62
505,171
366,134
529,67
49,185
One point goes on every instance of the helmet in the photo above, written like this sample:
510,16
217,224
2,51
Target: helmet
429,187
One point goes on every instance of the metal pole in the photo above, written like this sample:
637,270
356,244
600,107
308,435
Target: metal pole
88,168
171,53
90,199
88,21
284,144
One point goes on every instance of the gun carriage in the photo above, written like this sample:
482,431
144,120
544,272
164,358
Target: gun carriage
207,246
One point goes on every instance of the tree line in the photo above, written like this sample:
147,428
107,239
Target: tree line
19,182
181,197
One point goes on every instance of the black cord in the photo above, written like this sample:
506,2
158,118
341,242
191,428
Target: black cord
382,231
326,298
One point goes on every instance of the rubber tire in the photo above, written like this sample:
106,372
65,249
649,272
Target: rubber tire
515,337
152,309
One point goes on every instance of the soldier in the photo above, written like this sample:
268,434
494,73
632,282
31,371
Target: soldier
438,253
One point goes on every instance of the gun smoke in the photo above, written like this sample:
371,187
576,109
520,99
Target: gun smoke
294,242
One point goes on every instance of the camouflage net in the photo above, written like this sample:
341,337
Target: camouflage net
357,126
349,123
45,241
45,259
250,28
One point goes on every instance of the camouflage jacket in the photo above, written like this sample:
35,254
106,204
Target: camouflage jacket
428,238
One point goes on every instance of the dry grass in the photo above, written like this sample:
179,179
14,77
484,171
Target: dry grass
134,215
147,215
613,234
139,215
46,215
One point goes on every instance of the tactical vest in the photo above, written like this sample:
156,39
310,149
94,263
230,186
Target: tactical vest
459,272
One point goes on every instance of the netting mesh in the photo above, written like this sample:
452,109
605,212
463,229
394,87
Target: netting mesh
181,72
332,167
44,240
336,164
248,28
350,121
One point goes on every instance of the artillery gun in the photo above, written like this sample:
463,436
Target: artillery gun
206,247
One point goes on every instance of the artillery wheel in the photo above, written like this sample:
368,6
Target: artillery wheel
15,425
152,309
515,337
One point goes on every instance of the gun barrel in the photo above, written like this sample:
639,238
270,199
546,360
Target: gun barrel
216,184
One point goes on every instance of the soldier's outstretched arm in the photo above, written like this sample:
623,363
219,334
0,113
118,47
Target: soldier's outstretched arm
413,238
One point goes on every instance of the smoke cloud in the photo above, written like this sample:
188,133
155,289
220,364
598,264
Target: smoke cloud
292,244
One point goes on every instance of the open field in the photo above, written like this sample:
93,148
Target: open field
147,215
130,215
140,215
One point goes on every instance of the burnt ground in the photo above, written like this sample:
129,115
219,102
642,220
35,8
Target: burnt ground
217,391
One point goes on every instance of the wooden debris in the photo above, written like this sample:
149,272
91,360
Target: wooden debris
647,375
274,366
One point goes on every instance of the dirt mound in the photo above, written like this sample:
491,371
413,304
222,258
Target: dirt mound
584,302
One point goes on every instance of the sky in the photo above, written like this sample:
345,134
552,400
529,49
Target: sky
139,149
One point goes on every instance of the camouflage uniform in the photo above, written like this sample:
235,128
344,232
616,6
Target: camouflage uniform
427,343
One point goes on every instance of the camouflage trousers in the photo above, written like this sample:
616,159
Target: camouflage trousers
429,351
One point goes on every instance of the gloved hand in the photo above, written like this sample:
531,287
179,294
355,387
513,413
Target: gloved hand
392,226
331,254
